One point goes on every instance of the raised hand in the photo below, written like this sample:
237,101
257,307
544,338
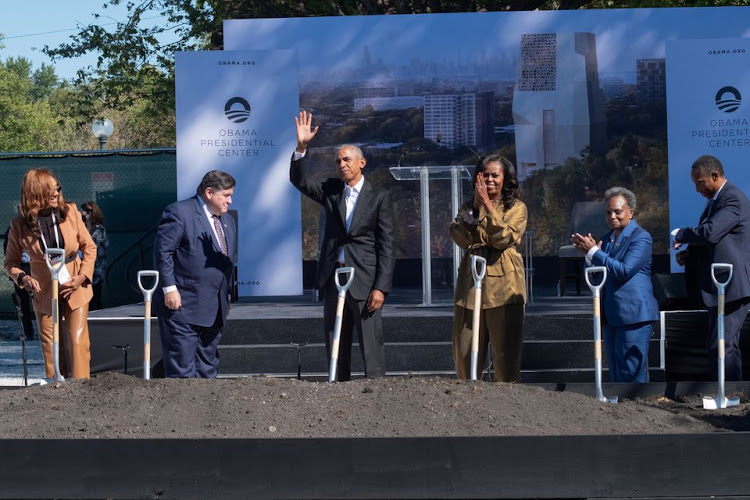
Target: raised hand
480,194
305,132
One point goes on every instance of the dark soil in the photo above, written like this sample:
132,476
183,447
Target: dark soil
117,406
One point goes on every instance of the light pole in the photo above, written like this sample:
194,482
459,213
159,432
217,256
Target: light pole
102,130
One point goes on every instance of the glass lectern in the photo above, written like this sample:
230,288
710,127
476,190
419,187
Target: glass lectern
424,174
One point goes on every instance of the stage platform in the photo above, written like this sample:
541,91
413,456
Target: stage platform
558,356
281,336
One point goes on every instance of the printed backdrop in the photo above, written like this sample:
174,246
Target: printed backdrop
234,113
708,85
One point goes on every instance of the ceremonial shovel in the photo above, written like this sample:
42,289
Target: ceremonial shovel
720,401
147,292
481,262
595,289
49,254
339,317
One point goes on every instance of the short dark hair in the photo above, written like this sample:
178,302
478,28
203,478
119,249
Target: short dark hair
509,192
708,164
216,180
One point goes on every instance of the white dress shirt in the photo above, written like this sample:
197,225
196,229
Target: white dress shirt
351,194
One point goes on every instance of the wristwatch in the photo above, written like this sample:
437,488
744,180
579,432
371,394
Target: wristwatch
20,279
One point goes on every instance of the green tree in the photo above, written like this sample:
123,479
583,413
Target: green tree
20,66
26,125
43,82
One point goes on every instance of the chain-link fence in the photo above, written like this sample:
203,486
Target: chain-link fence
131,188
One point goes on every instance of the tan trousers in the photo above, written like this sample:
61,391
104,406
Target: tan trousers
503,327
75,353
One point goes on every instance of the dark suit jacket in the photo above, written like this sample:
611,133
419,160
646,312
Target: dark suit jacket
368,246
723,238
628,296
187,255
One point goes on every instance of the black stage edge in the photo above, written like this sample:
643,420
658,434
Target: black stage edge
632,466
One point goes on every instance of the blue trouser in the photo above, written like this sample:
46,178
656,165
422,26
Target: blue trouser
189,351
626,348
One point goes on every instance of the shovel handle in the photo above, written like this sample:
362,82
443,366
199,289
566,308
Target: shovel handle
478,269
476,315
55,268
592,270
147,292
336,339
721,267
55,329
342,288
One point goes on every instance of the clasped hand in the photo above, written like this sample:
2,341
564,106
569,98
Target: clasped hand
584,243
480,194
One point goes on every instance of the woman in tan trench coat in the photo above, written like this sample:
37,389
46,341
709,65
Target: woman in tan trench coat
491,226
45,220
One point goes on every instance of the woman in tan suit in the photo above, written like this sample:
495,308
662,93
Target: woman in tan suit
45,220
491,226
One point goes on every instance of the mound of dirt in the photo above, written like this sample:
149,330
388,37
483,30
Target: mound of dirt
112,405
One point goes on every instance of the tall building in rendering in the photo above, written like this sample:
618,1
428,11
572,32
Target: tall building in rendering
612,87
558,105
652,81
455,120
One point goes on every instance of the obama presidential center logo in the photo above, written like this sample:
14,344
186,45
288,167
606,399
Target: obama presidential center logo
237,109
728,99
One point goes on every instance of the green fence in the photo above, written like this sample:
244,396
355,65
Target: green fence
131,187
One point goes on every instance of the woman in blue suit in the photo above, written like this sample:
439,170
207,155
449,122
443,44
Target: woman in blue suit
629,307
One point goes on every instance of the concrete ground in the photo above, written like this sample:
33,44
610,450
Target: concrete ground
11,359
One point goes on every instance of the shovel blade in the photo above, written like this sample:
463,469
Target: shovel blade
717,403
608,399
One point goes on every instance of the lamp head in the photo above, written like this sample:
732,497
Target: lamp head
102,129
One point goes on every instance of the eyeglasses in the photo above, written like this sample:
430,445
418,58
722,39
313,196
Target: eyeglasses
57,189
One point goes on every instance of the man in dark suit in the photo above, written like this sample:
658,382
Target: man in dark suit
194,252
358,233
721,236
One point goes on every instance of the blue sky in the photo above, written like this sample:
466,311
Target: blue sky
31,24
